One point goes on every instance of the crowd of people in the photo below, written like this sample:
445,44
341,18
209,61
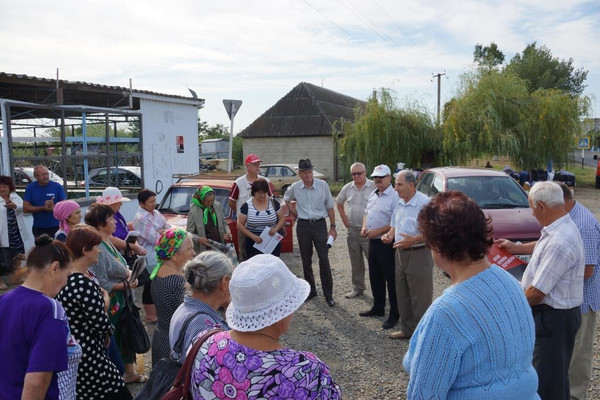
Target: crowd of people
486,336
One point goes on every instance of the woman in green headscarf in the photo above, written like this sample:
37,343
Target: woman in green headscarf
206,220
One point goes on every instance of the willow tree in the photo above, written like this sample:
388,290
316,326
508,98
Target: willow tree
383,133
483,116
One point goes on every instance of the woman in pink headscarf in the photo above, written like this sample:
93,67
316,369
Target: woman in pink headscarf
68,214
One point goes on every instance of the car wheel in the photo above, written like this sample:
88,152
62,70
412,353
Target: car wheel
284,189
598,182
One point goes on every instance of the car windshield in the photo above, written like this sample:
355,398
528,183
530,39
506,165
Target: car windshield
178,199
491,192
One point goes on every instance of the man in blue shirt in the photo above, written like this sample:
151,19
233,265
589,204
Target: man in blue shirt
39,200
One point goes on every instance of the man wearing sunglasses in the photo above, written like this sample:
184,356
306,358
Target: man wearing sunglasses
356,194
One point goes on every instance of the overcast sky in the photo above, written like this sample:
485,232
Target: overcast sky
257,51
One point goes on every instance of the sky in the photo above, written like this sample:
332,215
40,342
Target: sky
258,50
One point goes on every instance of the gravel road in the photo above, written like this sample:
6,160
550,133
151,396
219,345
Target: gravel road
363,361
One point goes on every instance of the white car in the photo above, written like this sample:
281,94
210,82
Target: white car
123,176
24,176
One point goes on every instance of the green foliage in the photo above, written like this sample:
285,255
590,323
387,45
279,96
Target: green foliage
384,133
217,131
494,113
542,71
488,57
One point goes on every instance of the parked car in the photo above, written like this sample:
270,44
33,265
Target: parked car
124,176
283,175
175,206
24,176
498,195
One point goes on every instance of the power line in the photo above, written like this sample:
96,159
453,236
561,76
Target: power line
404,33
353,37
381,34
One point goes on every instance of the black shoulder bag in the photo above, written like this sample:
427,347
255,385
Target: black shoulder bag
166,369
134,338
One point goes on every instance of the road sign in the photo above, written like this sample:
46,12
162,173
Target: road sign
584,143
232,107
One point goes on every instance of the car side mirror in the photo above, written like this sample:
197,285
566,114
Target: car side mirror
595,156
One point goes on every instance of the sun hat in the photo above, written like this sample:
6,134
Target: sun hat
252,158
263,291
381,170
111,195
62,210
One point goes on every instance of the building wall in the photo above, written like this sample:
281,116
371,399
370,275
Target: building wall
319,149
162,122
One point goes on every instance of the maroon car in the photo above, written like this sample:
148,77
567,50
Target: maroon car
498,195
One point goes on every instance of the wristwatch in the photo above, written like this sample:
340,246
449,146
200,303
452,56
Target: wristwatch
332,226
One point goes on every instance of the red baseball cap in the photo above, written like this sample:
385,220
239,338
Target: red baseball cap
251,159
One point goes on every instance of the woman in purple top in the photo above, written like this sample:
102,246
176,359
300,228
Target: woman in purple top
249,362
34,332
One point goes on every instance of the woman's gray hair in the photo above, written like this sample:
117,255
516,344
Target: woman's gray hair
205,271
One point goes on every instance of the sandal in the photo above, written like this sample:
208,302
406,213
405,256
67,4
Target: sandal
135,378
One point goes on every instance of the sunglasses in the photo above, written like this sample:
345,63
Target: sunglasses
357,173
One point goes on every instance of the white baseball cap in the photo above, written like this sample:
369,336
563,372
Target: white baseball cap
381,170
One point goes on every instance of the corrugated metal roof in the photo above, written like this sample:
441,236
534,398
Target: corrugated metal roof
307,110
19,87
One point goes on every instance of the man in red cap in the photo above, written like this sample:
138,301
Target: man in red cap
240,193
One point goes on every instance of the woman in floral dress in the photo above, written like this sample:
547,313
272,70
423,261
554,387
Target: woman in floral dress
249,362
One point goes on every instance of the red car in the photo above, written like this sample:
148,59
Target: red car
175,206
498,195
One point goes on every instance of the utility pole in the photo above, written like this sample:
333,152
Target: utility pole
439,82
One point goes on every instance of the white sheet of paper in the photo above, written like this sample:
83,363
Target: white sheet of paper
268,242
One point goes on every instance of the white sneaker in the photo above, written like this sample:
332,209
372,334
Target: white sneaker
352,294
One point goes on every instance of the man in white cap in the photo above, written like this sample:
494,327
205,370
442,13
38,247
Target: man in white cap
356,194
376,222
240,193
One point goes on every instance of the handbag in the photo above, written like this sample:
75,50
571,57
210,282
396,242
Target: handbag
166,369
134,338
281,231
181,385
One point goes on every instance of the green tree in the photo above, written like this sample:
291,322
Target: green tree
383,133
542,71
494,113
488,57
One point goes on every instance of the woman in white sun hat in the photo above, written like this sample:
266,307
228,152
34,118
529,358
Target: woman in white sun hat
249,361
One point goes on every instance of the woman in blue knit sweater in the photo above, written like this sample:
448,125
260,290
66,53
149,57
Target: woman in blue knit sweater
476,340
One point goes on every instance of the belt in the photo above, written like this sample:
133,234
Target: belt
414,248
542,307
311,220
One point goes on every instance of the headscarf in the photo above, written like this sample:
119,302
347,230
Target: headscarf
62,210
167,245
198,199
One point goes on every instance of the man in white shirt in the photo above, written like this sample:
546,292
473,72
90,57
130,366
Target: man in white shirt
414,265
553,284
356,194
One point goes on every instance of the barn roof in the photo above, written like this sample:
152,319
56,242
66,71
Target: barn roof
36,90
307,110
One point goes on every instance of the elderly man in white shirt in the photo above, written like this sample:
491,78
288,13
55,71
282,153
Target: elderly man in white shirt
414,265
356,194
553,284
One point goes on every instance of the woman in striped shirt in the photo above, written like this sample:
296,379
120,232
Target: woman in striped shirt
258,212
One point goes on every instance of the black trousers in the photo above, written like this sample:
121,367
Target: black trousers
37,232
309,234
555,332
382,274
